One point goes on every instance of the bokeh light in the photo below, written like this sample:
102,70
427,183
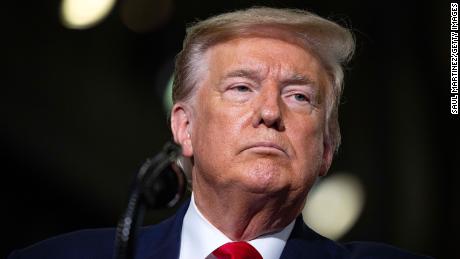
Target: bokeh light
167,97
334,205
83,14
143,16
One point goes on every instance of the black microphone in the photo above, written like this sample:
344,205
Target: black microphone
164,182
160,183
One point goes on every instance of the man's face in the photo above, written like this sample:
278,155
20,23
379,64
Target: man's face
258,118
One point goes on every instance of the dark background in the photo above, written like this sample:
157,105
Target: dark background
81,109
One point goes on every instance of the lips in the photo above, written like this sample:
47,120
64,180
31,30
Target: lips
266,147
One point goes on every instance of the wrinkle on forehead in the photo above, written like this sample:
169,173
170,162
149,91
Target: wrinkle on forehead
287,77
263,63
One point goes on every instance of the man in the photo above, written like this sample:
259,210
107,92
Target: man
256,97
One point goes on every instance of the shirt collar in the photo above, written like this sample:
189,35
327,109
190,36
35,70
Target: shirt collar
199,237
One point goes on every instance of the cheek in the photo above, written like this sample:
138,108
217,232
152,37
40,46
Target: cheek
215,129
308,146
226,119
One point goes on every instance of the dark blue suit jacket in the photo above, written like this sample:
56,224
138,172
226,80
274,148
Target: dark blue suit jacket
162,241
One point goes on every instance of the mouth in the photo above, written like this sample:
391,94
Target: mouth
266,148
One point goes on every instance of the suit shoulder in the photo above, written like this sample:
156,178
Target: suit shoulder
99,243
306,243
379,251
89,243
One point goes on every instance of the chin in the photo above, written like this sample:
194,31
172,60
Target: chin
265,179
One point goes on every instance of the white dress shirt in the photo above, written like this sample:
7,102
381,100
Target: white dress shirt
199,237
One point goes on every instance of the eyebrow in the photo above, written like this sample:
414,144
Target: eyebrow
245,73
255,75
298,79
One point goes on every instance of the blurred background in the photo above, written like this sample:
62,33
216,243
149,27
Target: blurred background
82,105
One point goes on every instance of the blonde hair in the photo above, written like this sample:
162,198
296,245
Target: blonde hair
330,42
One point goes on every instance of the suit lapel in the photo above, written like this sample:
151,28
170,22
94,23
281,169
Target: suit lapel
163,240
305,243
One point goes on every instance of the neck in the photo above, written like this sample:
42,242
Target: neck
245,216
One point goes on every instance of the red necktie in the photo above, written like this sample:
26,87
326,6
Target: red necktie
235,250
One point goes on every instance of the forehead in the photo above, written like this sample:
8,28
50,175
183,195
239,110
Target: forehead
269,57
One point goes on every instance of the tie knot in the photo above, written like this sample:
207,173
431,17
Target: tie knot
235,250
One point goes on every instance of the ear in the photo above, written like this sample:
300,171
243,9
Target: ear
181,128
328,153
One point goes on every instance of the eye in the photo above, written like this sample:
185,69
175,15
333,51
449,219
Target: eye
300,97
238,92
242,88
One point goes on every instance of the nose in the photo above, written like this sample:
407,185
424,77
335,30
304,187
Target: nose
268,110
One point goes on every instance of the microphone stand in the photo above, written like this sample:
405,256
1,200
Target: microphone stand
159,183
